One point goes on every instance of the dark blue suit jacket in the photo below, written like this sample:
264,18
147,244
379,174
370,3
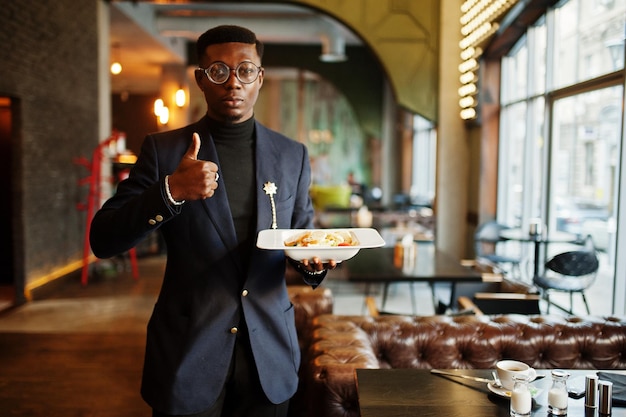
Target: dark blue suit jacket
190,339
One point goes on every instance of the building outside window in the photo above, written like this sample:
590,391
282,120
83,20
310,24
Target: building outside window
562,91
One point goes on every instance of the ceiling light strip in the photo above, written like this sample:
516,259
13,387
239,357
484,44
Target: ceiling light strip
479,21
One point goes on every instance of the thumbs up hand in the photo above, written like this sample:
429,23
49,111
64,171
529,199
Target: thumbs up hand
193,179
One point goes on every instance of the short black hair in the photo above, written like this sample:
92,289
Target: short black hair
225,34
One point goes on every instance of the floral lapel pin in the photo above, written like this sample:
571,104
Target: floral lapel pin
270,189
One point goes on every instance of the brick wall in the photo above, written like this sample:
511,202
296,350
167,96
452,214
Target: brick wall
48,66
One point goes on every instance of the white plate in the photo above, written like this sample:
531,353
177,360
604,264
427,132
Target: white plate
274,239
505,393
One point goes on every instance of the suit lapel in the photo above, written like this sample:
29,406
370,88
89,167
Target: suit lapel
266,172
217,207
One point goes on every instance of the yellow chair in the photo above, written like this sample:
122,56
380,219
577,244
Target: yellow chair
330,196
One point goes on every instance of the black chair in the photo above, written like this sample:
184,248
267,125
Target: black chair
570,272
486,239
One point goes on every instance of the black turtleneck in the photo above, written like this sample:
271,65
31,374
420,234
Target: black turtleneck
235,149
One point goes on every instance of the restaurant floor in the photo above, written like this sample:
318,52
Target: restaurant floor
76,351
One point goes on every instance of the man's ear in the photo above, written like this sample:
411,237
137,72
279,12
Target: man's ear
261,74
199,74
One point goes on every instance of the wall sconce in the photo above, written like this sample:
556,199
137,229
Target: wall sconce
161,111
158,105
164,115
116,68
180,98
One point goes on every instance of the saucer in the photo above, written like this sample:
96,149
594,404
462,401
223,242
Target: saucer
501,392
505,393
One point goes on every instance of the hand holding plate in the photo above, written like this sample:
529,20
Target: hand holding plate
316,265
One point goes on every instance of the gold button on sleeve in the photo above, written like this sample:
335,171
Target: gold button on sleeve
158,218
234,330
151,222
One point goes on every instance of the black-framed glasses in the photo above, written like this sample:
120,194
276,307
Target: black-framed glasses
218,72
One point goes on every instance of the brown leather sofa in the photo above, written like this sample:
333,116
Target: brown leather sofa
308,303
341,344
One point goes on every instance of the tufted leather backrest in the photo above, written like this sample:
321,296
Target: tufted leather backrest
308,303
342,344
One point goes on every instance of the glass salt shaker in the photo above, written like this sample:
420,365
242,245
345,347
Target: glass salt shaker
521,400
557,396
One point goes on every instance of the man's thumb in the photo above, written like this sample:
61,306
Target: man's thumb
194,147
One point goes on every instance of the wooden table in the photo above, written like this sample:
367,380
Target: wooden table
417,392
431,265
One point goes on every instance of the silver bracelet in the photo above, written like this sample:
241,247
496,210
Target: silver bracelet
169,194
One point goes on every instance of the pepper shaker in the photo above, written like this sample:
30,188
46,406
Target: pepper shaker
605,388
591,391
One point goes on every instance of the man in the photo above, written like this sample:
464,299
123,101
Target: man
221,340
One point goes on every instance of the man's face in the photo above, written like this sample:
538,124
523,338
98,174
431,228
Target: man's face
233,101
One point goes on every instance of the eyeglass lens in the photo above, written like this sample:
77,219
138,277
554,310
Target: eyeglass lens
246,72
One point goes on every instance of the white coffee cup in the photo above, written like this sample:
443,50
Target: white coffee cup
507,368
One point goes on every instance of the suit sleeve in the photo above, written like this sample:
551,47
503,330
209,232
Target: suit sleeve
138,207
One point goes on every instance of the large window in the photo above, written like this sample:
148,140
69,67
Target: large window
424,158
588,40
562,91
585,149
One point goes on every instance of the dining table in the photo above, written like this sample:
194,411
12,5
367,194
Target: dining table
420,392
539,242
425,263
